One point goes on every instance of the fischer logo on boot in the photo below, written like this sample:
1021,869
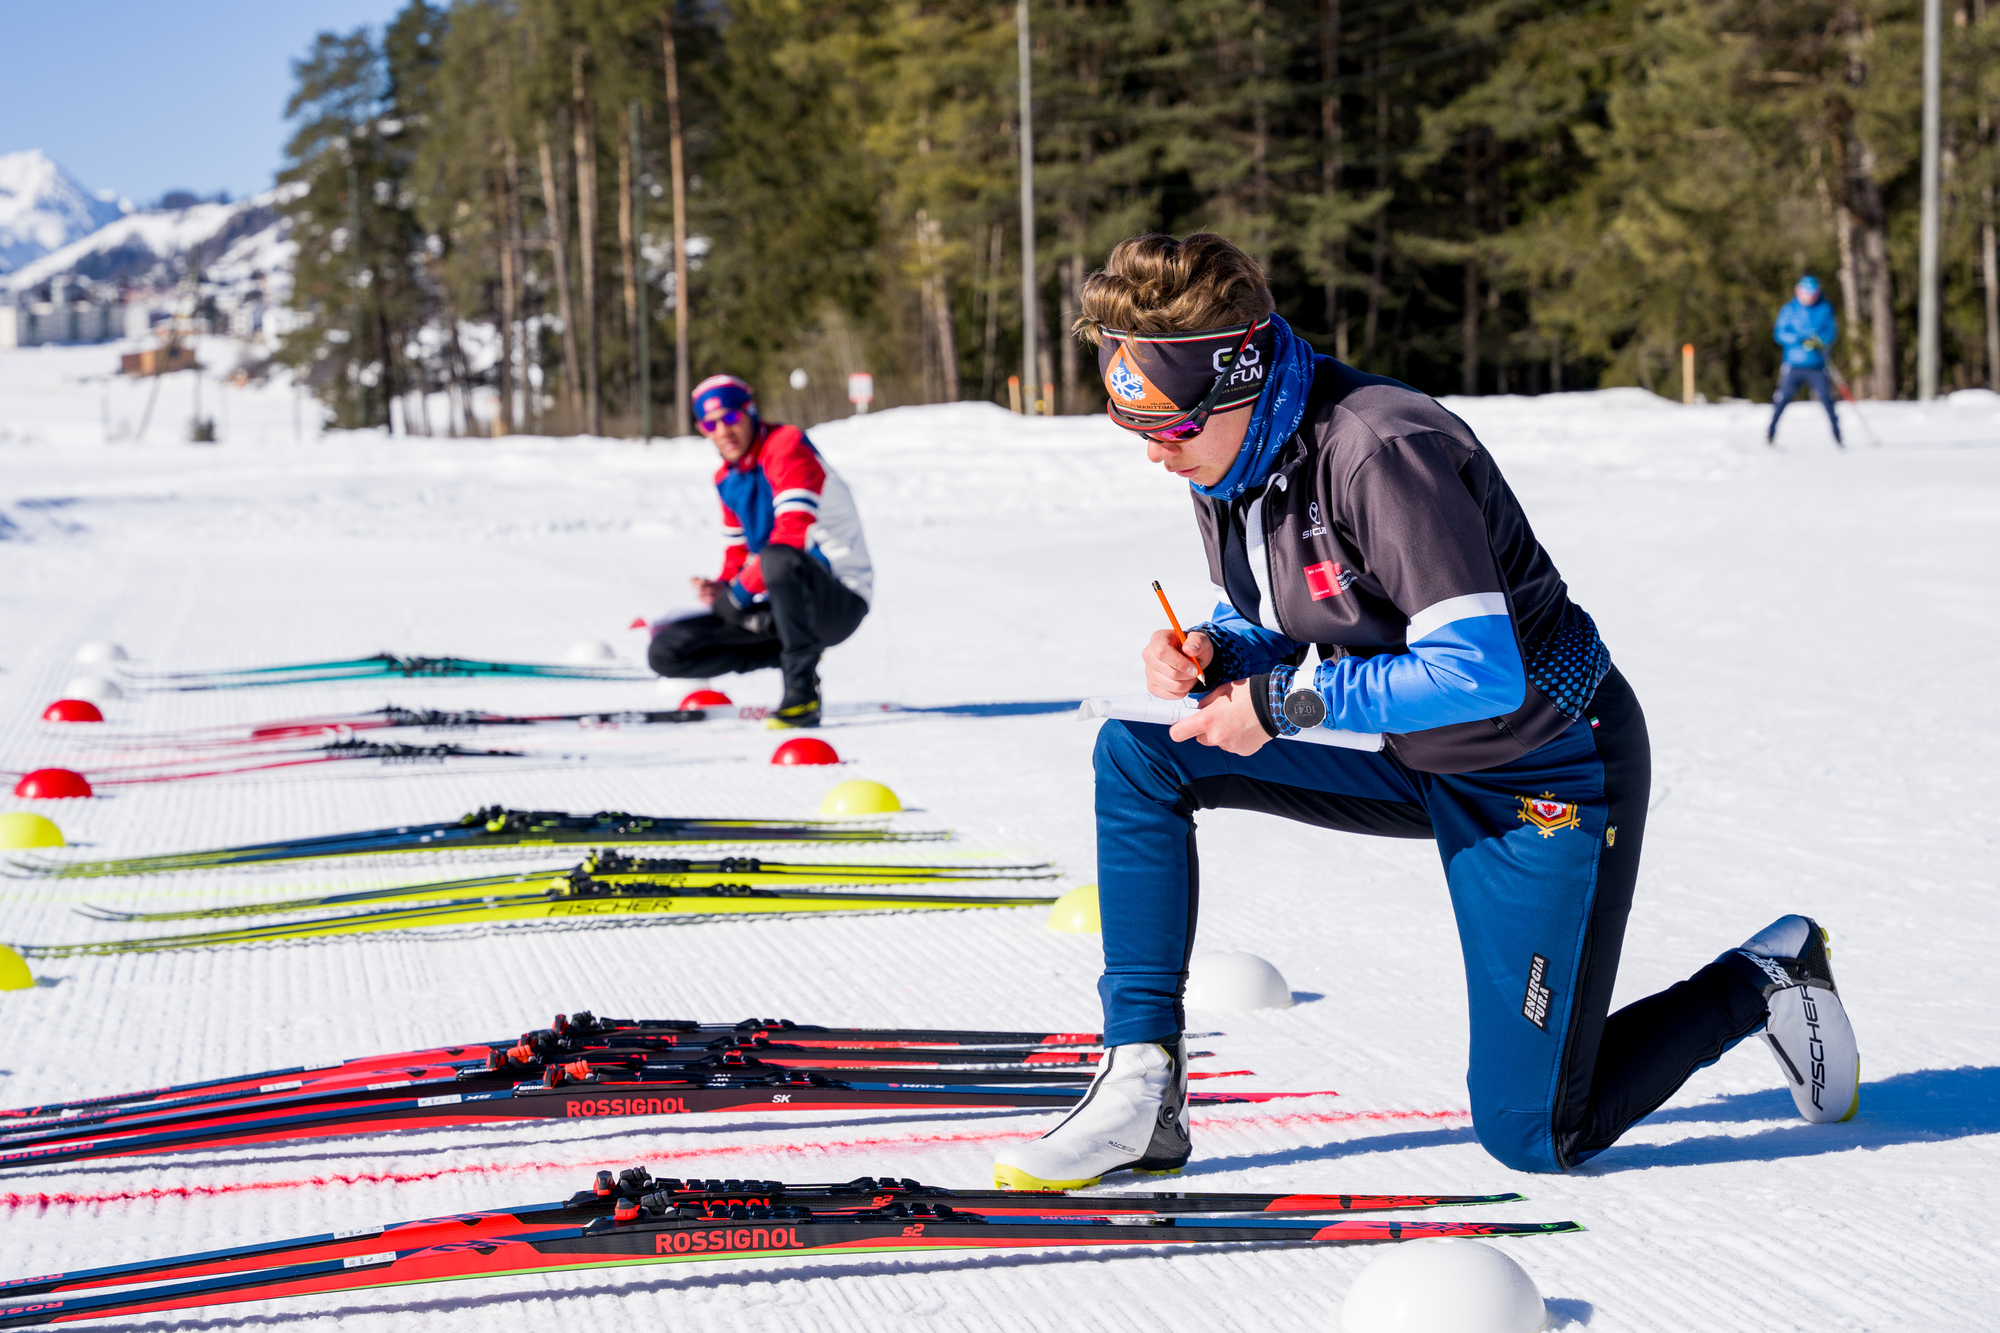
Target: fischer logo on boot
1815,1048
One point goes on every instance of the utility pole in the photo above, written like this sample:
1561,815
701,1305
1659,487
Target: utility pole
639,262
682,384
1029,313
1927,276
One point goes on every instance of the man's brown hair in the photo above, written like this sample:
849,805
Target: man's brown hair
1156,284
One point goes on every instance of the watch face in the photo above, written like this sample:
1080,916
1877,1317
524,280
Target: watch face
1305,708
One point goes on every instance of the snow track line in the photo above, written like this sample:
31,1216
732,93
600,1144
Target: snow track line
15,1202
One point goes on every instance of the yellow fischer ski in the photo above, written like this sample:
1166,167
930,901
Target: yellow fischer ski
609,866
572,901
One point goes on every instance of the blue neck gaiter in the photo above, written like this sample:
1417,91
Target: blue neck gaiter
1274,419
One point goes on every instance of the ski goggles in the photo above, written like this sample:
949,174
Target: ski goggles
1166,386
728,418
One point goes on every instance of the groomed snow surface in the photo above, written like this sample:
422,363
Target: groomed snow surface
1812,634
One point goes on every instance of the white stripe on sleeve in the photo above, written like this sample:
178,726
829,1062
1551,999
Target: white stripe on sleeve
1439,614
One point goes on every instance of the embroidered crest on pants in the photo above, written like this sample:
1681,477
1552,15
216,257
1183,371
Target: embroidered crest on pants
1548,814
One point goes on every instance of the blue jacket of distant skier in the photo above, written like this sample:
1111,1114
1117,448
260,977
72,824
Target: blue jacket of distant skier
1799,323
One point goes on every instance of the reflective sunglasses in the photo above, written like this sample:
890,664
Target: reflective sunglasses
1190,423
728,418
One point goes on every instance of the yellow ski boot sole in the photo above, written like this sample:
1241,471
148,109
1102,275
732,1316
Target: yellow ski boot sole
1014,1178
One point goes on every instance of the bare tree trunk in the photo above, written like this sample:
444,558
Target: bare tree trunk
458,384
1331,164
1070,272
1372,323
996,255
504,231
1987,258
628,229
1987,246
1260,151
927,349
517,295
583,121
1044,389
1881,305
947,339
682,380
1861,196
1469,330
559,248
1850,284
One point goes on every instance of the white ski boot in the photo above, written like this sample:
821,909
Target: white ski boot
1134,1117
1807,1027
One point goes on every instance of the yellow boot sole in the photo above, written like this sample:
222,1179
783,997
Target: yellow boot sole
1014,1178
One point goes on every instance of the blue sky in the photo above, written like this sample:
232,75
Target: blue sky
142,98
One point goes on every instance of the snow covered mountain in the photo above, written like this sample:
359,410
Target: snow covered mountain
148,249
43,208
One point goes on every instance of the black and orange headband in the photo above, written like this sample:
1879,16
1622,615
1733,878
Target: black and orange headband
1156,377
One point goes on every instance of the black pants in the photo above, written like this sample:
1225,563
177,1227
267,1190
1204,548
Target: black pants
808,612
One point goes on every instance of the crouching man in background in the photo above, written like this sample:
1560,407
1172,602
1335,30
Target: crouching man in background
795,575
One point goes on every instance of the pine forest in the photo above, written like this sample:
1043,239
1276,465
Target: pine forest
537,205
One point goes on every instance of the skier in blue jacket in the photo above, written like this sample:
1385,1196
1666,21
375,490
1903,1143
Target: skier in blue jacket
1806,330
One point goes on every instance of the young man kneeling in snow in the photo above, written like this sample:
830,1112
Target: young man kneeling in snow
1351,513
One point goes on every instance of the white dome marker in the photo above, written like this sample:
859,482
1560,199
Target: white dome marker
1445,1285
1233,982
99,650
584,652
97,689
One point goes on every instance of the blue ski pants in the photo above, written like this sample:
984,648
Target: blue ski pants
1791,381
1540,858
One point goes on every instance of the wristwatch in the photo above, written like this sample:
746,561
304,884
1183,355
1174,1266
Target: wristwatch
1303,706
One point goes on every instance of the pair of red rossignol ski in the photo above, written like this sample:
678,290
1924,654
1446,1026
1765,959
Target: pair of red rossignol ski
588,1067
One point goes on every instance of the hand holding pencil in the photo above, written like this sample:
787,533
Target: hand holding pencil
1174,660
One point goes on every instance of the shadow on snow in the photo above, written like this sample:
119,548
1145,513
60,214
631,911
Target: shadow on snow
1922,1106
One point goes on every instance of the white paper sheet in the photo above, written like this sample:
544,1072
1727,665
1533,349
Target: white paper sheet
1166,712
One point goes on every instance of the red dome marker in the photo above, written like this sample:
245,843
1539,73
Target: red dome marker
52,783
805,750
72,710
638,622
706,699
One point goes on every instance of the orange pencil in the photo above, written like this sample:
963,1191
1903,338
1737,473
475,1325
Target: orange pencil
1180,635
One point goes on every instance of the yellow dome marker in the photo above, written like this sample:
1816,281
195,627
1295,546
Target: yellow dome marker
1075,913
18,828
859,797
14,973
